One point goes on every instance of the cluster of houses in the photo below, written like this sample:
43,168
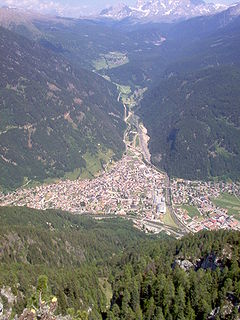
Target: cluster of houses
199,194
127,188
132,187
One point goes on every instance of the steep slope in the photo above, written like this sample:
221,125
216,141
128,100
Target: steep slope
112,271
202,28
193,114
79,40
188,45
20,20
83,42
54,119
194,124
72,251
196,278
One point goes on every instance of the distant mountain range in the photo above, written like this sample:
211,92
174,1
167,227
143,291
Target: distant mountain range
162,10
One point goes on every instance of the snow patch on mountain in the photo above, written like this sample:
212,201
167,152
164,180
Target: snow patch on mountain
163,9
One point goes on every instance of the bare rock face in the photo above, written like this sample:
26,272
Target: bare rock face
163,10
6,293
186,265
45,311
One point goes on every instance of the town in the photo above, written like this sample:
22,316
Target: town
195,204
129,187
135,189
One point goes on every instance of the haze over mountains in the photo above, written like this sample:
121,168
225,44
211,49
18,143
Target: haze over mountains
200,52
163,10
189,113
77,95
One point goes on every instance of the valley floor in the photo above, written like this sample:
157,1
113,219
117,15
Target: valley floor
135,189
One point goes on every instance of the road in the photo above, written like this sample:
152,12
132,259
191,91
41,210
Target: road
132,120
142,132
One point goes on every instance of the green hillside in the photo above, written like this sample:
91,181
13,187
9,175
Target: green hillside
109,270
72,251
191,110
193,121
52,116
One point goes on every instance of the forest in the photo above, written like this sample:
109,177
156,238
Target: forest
54,118
193,122
106,269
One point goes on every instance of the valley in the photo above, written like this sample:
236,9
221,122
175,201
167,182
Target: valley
134,189
129,188
120,162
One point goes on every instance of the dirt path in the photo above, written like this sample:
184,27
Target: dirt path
144,139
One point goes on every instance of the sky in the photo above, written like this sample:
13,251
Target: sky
74,8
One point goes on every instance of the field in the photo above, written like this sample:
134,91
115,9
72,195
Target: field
191,210
94,166
229,202
125,94
167,219
94,163
110,60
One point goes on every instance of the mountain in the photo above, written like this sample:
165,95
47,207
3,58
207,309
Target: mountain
81,41
192,114
204,27
193,122
54,118
22,21
106,269
70,252
161,56
162,10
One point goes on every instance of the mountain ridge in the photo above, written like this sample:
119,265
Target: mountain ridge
162,10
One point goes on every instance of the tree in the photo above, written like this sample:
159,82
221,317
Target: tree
110,316
190,314
150,308
179,303
168,292
158,314
138,313
116,310
42,288
135,297
42,293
